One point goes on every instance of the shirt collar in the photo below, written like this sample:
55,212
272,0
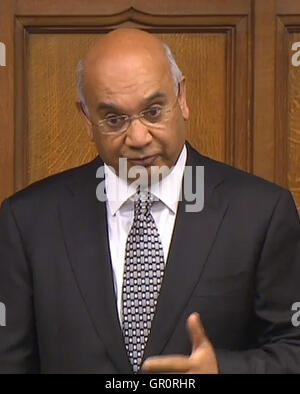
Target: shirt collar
171,182
118,191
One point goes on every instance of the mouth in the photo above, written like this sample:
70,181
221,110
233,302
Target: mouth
145,161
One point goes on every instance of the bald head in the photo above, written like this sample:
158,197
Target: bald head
120,42
123,52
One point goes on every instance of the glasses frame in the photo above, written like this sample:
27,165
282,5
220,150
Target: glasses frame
130,118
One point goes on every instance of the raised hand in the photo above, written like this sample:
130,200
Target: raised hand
202,360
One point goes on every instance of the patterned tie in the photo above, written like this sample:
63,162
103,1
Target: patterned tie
143,274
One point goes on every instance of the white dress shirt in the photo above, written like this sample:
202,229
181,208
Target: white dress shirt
120,212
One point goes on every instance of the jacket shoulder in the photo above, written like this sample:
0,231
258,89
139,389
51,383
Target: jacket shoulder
238,184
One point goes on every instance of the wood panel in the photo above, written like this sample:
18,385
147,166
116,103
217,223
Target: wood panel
7,101
264,89
287,131
214,53
202,58
251,123
167,7
276,100
293,151
42,133
56,137
287,141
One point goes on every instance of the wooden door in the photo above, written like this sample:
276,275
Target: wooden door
276,100
242,90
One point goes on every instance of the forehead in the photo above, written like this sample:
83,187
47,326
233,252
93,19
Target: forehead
129,78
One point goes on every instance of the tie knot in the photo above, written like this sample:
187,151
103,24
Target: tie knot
143,202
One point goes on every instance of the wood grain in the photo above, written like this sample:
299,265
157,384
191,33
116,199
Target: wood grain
169,7
276,100
56,132
7,101
293,133
210,38
264,90
202,58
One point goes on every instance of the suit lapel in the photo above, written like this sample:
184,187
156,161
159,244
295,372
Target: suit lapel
193,238
84,226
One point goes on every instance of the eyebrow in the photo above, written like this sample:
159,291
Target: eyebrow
112,107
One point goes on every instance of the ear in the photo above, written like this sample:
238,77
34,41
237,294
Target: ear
88,124
182,100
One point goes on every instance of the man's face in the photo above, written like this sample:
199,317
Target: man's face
129,85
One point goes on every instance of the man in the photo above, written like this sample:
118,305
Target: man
135,285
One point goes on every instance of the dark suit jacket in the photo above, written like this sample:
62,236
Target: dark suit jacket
237,263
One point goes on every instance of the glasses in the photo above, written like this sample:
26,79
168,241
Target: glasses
154,117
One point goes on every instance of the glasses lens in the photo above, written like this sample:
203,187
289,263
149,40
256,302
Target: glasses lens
156,116
153,114
114,124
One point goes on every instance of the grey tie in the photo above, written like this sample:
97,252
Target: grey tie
143,273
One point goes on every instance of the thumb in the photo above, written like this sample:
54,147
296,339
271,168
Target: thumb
196,330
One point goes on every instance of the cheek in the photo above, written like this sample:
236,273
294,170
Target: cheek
108,148
173,138
174,143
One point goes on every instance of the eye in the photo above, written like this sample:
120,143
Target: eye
115,121
153,114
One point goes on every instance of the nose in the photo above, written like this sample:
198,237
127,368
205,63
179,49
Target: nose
138,134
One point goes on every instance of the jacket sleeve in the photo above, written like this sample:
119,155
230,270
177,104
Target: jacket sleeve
18,340
277,289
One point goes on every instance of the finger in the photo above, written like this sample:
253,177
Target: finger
196,330
166,364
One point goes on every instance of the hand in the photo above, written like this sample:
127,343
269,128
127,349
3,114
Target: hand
201,361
